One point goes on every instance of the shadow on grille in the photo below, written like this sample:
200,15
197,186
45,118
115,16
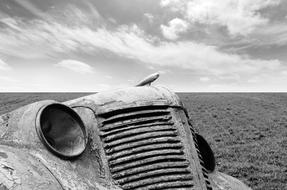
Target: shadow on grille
144,150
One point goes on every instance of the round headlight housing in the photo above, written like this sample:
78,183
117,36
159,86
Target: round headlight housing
61,130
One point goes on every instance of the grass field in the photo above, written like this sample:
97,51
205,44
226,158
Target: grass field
247,131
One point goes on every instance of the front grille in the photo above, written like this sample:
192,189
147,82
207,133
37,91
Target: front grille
144,150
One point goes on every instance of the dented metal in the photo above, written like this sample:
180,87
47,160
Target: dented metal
136,138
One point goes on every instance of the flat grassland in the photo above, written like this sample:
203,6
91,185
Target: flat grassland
247,131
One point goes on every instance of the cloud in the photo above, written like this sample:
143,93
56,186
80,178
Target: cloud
42,39
174,5
239,17
149,17
204,79
273,34
10,22
8,79
33,9
75,66
4,66
174,28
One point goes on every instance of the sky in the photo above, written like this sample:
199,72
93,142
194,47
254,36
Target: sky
96,45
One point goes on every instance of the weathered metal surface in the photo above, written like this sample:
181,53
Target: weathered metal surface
141,127
18,127
116,100
21,170
20,140
148,80
221,181
137,155
137,138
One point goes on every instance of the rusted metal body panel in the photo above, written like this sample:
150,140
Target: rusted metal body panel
137,138
124,98
21,170
221,181
22,151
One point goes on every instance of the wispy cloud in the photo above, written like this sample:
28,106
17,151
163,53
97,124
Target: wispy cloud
44,39
33,9
204,79
78,35
4,66
273,34
76,66
149,17
8,79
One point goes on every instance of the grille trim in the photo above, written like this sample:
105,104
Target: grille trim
153,173
152,153
147,161
139,143
156,166
144,150
156,180
126,128
169,185
112,127
144,113
140,137
136,131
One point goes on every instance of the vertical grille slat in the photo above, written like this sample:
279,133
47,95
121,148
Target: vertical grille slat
144,150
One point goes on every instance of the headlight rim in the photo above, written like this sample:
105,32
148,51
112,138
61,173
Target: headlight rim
43,139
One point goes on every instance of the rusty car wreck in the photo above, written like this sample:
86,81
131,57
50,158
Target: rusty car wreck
132,138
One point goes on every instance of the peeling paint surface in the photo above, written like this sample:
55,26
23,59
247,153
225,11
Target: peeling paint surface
39,170
20,171
8,176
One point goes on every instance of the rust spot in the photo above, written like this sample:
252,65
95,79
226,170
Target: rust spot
3,155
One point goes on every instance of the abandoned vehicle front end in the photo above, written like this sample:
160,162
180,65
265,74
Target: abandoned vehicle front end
145,139
132,138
